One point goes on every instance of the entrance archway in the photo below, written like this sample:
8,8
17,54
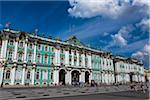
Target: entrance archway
75,76
62,76
131,77
87,77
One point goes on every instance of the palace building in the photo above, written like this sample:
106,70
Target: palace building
28,59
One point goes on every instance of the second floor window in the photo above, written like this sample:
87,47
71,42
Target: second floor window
20,56
30,46
11,42
10,55
39,58
21,44
39,47
30,57
46,59
46,48
52,49
52,60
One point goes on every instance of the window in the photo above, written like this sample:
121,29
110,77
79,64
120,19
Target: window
11,42
46,60
10,55
51,75
21,44
28,75
75,52
37,75
52,49
20,56
8,74
30,46
70,51
30,57
62,51
39,58
46,48
39,47
52,60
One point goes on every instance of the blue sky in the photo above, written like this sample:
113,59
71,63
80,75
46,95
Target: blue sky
119,26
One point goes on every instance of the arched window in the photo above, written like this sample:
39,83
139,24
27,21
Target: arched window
28,75
8,74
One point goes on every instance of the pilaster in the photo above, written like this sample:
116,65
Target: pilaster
4,47
56,76
34,56
72,61
77,58
83,60
13,71
68,76
67,58
16,49
33,74
25,51
23,74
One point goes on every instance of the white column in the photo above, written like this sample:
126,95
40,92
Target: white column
72,61
83,60
82,76
56,76
13,72
89,61
4,48
25,52
16,49
106,78
90,77
66,58
68,77
109,78
77,58
34,56
33,75
113,78
102,77
57,54
23,75
1,74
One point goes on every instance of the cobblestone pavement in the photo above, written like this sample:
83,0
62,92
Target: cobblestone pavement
36,93
125,95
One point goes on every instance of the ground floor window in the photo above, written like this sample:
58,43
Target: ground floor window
7,74
28,75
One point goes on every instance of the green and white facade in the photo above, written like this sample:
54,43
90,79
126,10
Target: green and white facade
27,59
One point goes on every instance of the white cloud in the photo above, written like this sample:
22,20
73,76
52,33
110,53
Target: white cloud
92,8
138,55
121,37
109,8
106,34
119,40
125,30
144,24
143,54
146,49
1,26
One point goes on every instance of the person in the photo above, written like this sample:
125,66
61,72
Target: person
131,86
143,87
